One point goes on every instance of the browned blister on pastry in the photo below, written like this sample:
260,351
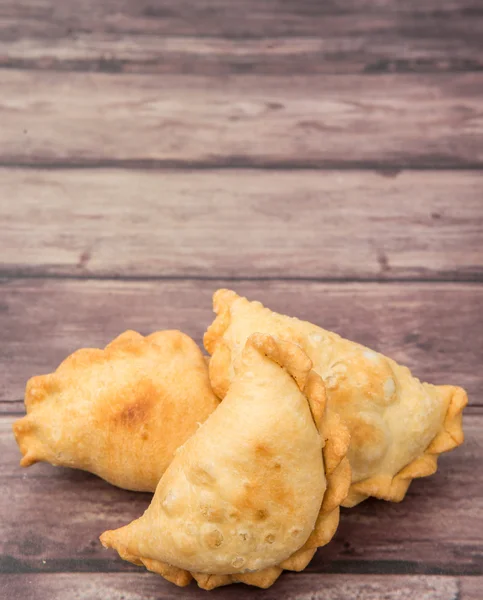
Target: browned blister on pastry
257,488
120,412
398,425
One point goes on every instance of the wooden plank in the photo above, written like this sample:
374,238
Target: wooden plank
470,588
331,53
433,328
243,223
51,118
8,407
221,18
297,586
215,37
14,407
51,519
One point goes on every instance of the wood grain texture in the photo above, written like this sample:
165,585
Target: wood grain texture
134,586
220,37
471,588
435,530
242,223
9,407
163,91
433,328
51,118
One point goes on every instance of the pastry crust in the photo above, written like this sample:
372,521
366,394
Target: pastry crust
450,436
398,425
258,487
120,412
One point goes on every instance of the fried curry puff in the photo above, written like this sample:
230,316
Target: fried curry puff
398,425
120,412
257,488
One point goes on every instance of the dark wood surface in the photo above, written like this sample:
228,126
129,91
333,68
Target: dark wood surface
435,530
431,327
218,37
354,225
292,121
134,586
323,157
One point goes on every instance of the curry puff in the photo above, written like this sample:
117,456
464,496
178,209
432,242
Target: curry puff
257,488
120,412
398,425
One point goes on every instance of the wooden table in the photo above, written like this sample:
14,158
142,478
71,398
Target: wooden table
323,157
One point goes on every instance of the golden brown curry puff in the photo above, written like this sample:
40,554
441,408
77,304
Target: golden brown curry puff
120,412
257,488
398,425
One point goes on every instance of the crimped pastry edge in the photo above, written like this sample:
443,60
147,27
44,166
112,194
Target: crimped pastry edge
338,475
394,489
388,488
40,387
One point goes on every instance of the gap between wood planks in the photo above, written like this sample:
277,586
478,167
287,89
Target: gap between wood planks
241,163
23,272
9,565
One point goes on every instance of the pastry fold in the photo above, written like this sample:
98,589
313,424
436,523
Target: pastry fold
257,488
398,425
120,412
